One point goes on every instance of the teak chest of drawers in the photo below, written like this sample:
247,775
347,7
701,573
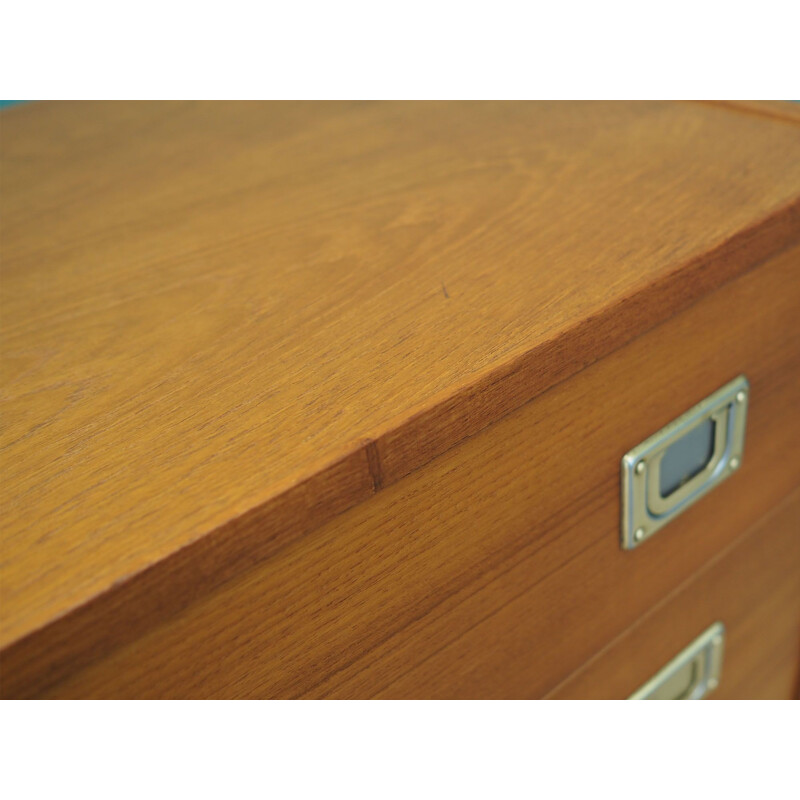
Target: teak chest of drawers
329,400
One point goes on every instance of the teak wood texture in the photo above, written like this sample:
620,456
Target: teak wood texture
754,587
495,570
224,325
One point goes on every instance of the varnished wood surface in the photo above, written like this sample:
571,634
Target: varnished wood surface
495,570
784,110
754,589
224,324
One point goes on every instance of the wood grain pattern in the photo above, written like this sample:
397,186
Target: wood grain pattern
494,571
754,588
783,110
222,325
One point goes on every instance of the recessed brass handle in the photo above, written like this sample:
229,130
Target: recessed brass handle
671,470
692,674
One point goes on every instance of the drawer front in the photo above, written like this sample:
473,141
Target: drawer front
496,570
753,588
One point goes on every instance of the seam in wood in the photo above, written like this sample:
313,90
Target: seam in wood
668,598
374,464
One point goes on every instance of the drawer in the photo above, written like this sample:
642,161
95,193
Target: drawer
753,588
495,570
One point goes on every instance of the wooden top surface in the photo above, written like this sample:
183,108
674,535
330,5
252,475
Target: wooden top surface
206,307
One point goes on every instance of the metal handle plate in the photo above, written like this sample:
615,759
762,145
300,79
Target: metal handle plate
692,674
671,470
